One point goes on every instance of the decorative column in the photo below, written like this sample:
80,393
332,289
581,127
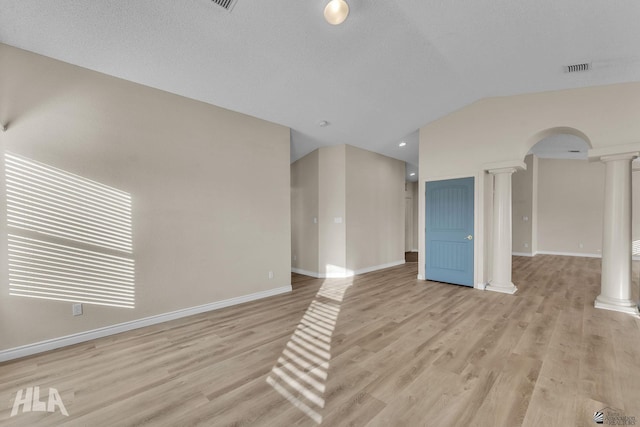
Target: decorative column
615,288
501,260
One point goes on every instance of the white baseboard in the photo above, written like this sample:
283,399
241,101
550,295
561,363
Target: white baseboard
379,267
587,255
305,272
42,346
529,254
634,257
346,272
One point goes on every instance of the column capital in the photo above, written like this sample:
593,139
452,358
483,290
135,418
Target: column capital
599,153
509,166
502,170
621,156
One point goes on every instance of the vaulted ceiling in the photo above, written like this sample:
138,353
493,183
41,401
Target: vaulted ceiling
389,69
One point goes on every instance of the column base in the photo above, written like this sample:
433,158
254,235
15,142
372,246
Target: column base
505,288
614,304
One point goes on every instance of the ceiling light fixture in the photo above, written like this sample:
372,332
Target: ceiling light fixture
323,123
412,174
402,144
336,12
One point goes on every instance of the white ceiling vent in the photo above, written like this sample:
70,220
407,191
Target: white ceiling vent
574,68
225,4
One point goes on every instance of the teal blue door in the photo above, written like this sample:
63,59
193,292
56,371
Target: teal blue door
449,231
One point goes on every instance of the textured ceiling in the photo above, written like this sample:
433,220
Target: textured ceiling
391,68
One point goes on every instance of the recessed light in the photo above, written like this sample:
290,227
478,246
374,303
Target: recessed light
412,174
402,144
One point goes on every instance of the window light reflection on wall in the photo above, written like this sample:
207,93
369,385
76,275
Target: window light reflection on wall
70,238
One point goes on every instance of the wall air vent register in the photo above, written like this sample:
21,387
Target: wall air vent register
225,4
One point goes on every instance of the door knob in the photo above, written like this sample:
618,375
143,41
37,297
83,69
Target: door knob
469,237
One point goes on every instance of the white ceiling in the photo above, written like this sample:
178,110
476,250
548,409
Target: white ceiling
391,68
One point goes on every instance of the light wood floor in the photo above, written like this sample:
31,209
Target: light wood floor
400,352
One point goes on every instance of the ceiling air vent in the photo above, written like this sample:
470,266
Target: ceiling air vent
225,4
577,67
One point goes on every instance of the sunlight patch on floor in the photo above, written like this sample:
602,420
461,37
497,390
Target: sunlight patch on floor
302,369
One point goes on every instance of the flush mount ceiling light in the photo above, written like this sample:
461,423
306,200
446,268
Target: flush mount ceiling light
323,123
336,12
402,144
412,174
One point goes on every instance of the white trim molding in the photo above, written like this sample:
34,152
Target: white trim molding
379,267
527,254
509,164
595,154
42,346
578,254
305,272
346,272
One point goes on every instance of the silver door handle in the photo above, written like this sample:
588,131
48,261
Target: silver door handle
469,237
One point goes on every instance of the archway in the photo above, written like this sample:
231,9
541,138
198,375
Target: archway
562,200
556,149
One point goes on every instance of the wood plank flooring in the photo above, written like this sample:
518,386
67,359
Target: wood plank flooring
380,349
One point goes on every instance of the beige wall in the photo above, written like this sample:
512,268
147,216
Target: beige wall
522,211
635,216
359,199
375,209
332,250
416,230
411,228
571,197
304,213
210,189
570,206
502,130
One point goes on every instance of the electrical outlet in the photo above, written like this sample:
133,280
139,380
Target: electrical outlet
295,257
76,309
526,245
271,275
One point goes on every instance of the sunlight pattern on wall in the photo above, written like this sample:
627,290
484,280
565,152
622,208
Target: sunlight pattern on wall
69,239
58,204
302,370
